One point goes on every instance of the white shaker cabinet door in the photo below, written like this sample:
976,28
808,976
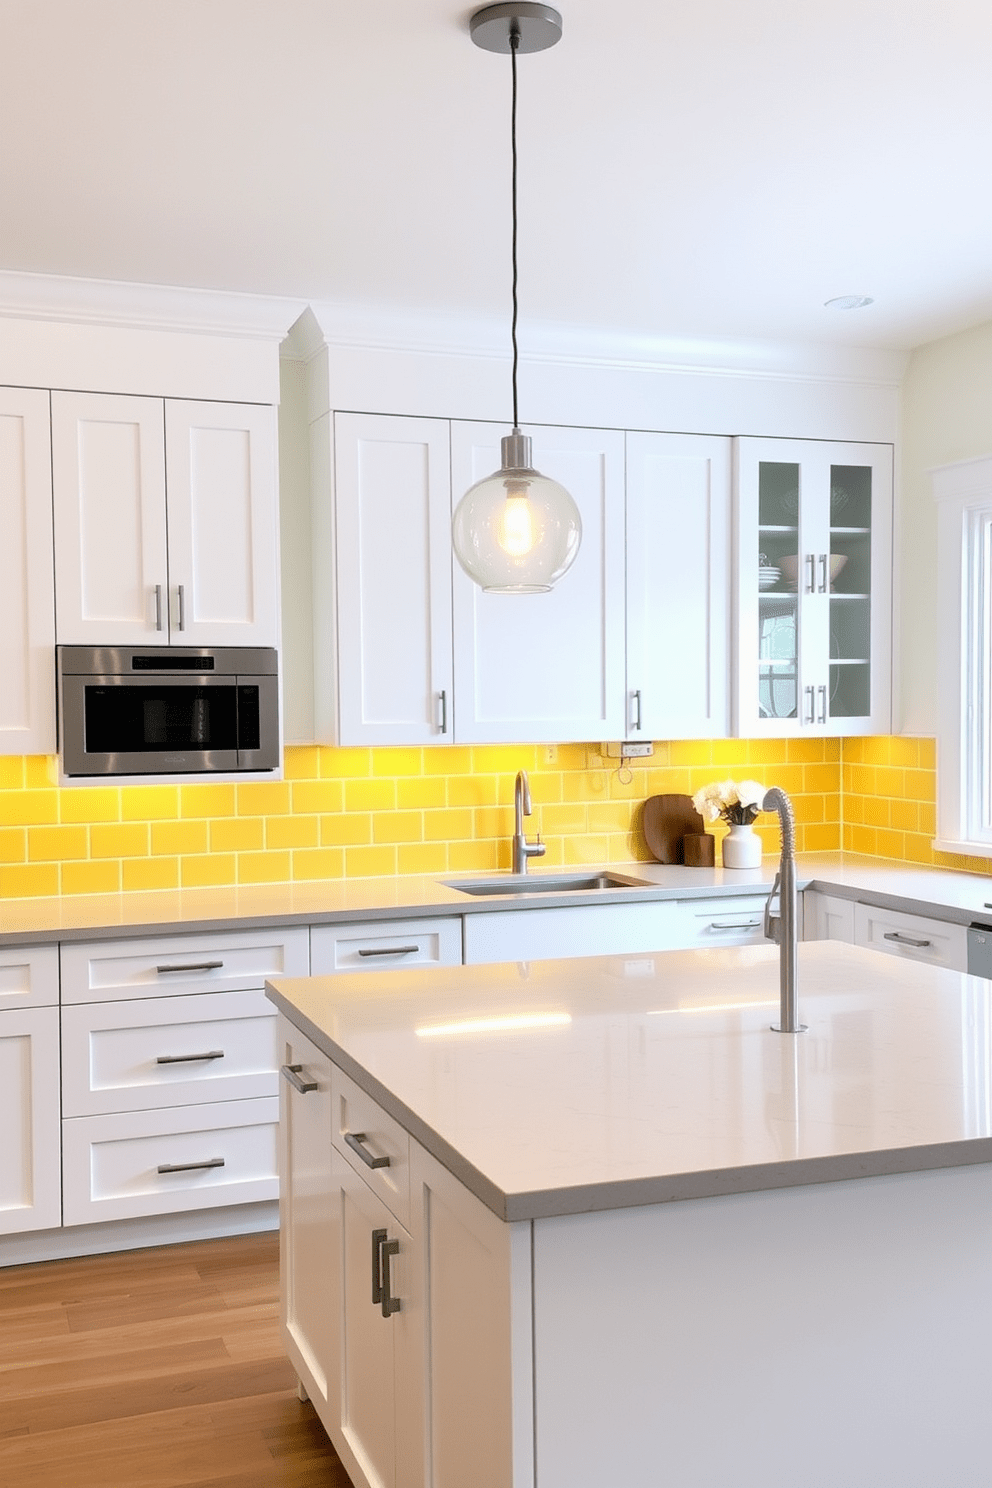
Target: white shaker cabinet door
678,586
223,524
111,564
27,595
30,1155
393,568
538,667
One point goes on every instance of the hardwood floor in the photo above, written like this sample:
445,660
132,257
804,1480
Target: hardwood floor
154,1369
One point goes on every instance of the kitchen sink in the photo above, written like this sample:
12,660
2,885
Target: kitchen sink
544,883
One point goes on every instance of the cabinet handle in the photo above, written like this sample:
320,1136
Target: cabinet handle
292,1073
810,561
382,1295
902,939
168,969
189,1058
823,574
808,695
821,716
388,950
635,712
739,925
390,1304
443,698
211,1162
354,1141
158,606
181,591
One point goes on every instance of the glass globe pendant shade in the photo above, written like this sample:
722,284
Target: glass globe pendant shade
516,532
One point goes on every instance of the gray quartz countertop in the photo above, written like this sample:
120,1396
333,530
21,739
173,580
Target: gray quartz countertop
960,897
559,1087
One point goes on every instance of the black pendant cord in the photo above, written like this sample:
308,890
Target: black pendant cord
514,44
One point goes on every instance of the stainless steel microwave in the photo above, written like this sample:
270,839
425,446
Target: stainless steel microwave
167,710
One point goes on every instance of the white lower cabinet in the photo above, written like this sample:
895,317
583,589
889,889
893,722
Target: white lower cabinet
703,923
917,937
376,945
827,917
582,930
30,1162
164,1161
411,1339
170,1071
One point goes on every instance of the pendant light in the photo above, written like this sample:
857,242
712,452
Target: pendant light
517,531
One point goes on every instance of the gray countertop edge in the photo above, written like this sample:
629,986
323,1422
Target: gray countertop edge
99,918
668,1188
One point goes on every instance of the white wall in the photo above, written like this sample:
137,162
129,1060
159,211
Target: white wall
946,416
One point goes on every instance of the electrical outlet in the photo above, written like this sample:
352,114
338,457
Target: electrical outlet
551,754
626,750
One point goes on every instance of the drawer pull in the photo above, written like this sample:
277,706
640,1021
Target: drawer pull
735,925
211,1162
901,939
292,1073
355,1140
189,1058
388,950
190,966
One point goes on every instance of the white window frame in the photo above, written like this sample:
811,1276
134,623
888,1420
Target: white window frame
963,493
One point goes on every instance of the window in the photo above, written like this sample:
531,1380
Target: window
964,630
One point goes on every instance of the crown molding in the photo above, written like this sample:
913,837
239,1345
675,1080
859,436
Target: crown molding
444,334
109,302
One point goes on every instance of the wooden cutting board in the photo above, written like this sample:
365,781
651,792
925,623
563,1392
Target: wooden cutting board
667,819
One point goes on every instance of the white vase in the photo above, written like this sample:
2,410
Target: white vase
741,847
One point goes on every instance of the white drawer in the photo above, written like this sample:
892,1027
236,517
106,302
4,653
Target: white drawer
375,1139
167,1051
385,943
936,942
738,920
29,976
170,965
214,1155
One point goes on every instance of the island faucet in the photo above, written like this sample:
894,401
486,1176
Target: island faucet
784,927
522,849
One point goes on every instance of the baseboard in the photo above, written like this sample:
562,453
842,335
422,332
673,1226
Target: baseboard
138,1234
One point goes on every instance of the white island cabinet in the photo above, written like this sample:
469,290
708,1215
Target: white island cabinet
640,1237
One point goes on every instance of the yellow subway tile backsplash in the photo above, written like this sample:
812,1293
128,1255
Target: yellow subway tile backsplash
29,880
126,840
357,812
91,878
56,844
99,803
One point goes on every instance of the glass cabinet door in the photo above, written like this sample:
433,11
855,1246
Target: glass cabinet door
814,582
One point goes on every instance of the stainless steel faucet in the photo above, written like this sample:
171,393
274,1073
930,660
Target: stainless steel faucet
784,927
522,849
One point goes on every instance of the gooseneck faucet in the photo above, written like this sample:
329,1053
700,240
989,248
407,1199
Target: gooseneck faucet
522,849
784,927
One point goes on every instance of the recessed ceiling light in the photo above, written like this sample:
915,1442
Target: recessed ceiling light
849,302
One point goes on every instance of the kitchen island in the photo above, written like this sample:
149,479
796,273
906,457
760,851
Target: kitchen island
636,1237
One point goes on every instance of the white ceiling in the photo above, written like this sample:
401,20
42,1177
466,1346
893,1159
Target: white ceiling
712,168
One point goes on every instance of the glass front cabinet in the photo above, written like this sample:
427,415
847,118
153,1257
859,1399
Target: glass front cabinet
813,535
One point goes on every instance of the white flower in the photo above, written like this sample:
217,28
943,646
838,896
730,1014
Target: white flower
734,803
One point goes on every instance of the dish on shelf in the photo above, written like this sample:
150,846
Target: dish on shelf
768,576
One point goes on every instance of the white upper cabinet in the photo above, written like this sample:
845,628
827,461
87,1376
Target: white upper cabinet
678,586
393,572
111,568
814,564
27,597
165,521
546,666
220,462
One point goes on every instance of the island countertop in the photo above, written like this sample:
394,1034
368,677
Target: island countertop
562,1087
